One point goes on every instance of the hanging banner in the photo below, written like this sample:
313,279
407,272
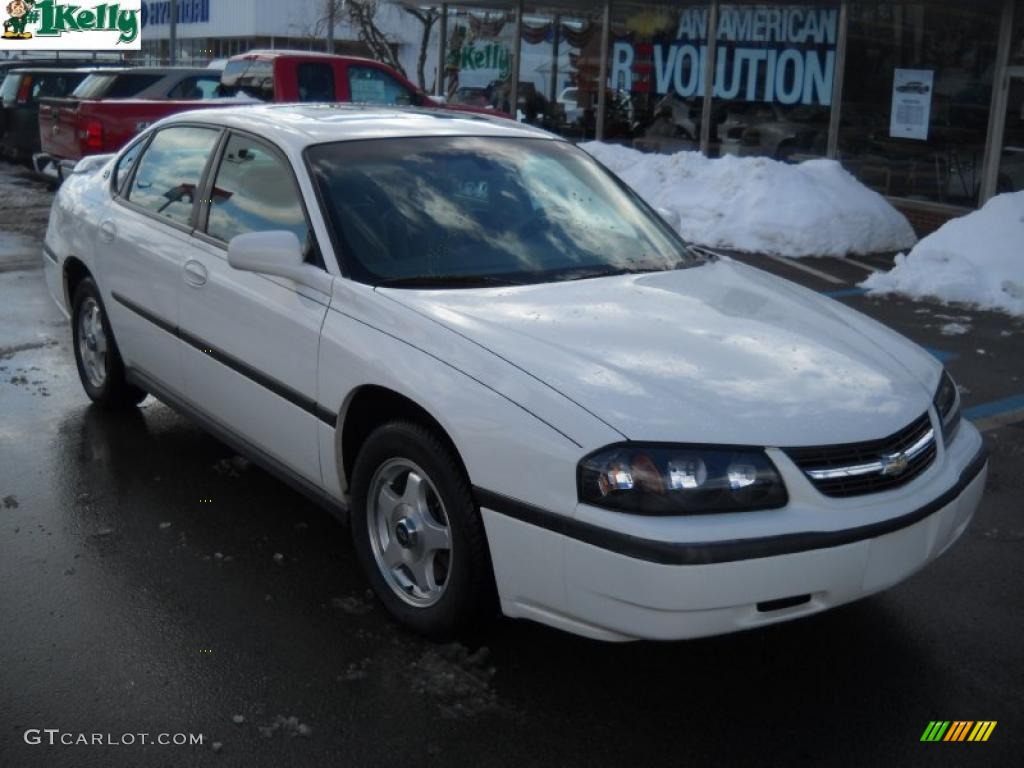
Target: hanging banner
781,54
911,103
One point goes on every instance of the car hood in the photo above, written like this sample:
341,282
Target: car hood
719,353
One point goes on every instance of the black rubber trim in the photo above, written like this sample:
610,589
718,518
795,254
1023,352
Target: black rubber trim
145,314
48,253
280,389
710,552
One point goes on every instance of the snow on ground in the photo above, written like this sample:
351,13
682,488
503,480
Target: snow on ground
761,205
976,259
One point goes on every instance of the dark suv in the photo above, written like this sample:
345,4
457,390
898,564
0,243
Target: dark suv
19,105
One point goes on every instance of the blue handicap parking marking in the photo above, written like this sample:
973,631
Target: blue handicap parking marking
941,355
995,408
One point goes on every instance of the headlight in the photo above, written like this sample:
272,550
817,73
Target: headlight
660,479
947,406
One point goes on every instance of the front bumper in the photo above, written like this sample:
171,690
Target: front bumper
615,586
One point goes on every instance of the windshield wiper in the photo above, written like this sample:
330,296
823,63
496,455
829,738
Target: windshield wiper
446,281
586,274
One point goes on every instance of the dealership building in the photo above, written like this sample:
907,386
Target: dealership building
922,101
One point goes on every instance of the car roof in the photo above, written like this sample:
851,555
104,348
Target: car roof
277,53
53,70
300,125
151,70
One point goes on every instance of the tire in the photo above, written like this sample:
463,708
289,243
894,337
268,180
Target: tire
100,368
399,546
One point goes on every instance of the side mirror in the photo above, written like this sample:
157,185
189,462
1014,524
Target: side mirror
277,252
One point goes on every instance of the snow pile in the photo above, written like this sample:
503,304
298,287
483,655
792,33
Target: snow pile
976,259
761,205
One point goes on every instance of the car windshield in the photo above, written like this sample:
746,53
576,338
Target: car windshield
467,211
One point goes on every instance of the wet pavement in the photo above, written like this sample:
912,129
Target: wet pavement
153,582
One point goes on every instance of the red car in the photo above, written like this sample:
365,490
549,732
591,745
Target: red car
90,127
109,107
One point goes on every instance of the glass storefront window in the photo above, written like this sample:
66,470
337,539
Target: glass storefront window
916,97
1017,38
773,79
655,69
1011,159
478,70
559,70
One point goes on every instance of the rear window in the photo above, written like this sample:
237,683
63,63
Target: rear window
56,84
114,86
194,88
252,77
9,89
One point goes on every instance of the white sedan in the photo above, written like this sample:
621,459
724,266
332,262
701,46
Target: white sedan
510,374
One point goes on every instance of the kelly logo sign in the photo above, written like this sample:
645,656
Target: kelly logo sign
781,54
490,56
51,25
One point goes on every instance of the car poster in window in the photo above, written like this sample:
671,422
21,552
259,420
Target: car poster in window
367,90
911,103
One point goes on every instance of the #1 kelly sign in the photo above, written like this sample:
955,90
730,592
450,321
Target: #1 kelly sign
49,25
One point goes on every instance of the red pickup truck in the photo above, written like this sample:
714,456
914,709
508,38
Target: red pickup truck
109,107
73,128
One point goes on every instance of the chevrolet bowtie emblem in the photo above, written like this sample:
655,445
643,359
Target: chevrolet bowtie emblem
894,463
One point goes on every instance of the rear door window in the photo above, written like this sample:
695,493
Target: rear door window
167,180
316,82
369,85
126,163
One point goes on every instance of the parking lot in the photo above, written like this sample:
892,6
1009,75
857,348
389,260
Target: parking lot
153,582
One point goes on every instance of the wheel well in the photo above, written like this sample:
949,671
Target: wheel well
371,406
74,272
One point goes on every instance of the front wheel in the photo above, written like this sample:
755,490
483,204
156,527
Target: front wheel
417,531
99,363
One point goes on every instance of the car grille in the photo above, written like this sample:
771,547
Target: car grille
854,469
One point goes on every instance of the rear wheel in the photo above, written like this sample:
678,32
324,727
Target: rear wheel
417,531
100,367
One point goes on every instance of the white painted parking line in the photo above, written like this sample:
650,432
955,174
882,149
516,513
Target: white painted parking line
809,270
860,264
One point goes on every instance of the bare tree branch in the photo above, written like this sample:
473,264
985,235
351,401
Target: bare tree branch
427,18
363,14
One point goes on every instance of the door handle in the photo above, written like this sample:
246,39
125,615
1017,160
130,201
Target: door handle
108,231
195,273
